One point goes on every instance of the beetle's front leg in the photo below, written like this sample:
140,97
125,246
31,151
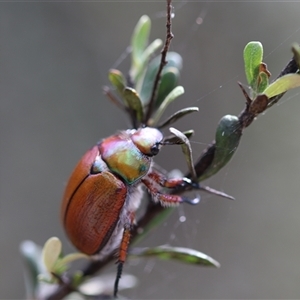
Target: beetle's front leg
167,199
172,182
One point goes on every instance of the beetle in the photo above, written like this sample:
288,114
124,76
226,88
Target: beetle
104,192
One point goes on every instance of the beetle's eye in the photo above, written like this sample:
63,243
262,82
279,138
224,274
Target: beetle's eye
155,149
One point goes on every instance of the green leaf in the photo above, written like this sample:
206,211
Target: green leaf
179,114
148,53
253,55
139,41
117,79
228,136
174,60
263,82
169,80
133,101
72,257
184,255
151,49
173,140
187,150
175,93
282,84
51,252
296,52
62,264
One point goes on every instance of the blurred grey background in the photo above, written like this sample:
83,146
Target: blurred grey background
54,62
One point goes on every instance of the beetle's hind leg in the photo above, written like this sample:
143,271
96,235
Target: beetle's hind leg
123,251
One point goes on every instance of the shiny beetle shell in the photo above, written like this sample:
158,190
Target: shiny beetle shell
102,184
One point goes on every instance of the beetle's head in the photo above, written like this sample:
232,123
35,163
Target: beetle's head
148,140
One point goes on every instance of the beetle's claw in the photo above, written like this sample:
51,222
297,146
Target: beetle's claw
192,201
196,185
191,183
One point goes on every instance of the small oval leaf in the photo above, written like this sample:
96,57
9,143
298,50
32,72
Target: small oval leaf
179,114
51,252
117,80
62,264
263,82
181,254
147,54
253,55
173,140
174,60
133,101
169,80
187,150
228,136
139,40
175,93
72,257
151,49
296,52
282,85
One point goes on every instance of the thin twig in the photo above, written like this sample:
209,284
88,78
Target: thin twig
163,61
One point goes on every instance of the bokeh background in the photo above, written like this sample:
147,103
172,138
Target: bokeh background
54,61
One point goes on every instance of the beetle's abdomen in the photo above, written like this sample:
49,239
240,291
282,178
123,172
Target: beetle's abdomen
91,212
124,158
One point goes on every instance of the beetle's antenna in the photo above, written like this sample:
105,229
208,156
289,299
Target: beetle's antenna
163,61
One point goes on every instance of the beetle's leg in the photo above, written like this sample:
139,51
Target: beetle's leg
123,251
166,199
172,182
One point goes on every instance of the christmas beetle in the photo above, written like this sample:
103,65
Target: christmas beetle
104,192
